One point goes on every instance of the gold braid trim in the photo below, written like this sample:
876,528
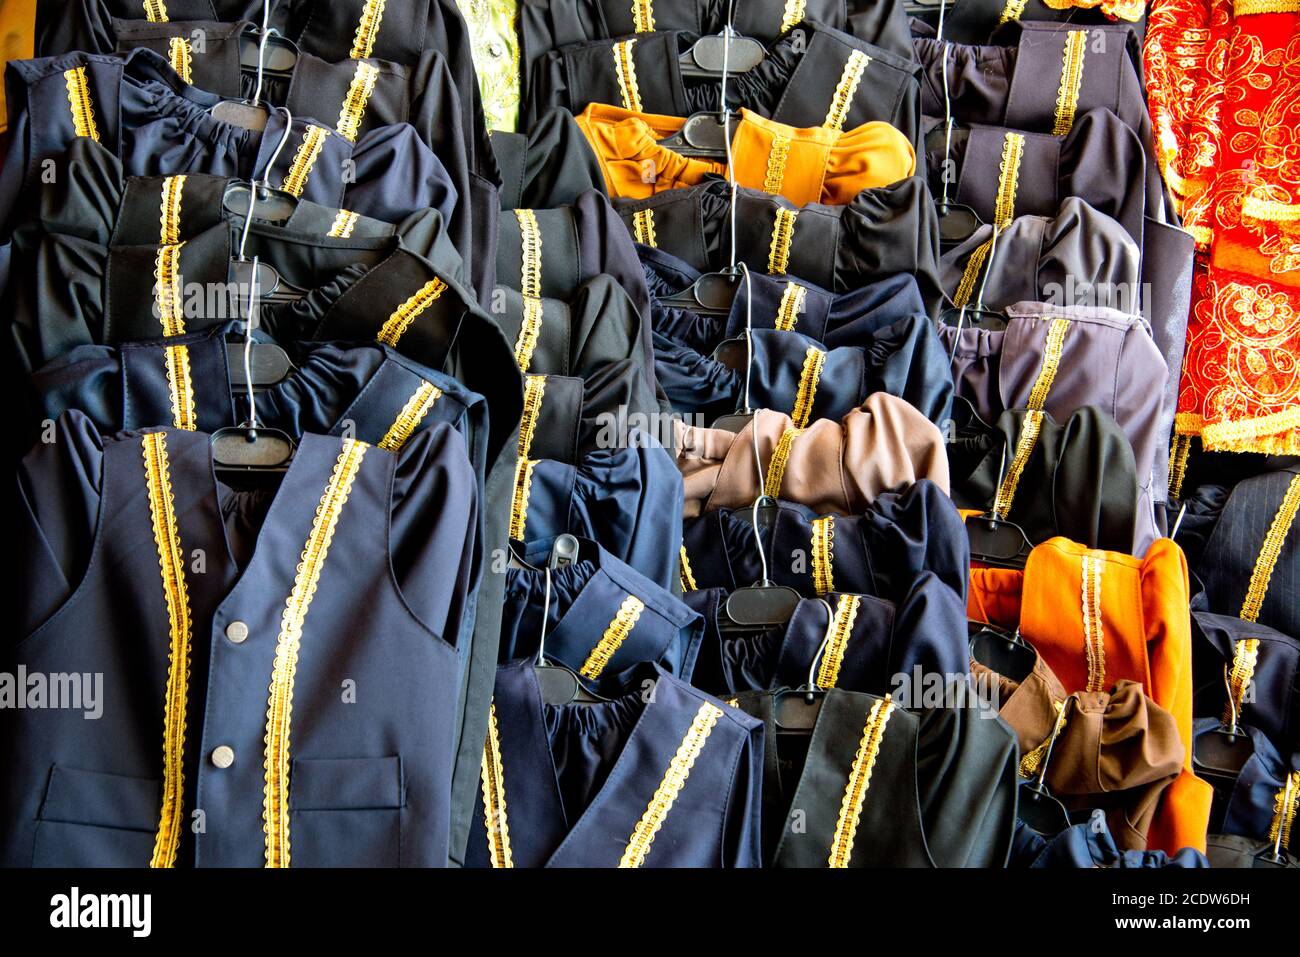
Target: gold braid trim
776,466
679,769
519,501
1284,811
624,621
1033,760
1266,561
855,793
1244,8
354,103
687,576
971,273
794,12
792,306
846,614
155,11
625,67
848,85
1179,451
1024,448
776,160
534,391
83,110
494,796
643,16
1245,657
344,222
823,554
181,57
171,562
1067,95
279,707
643,227
530,285
1094,638
1012,11
1013,150
396,325
309,150
778,256
409,419
181,386
363,41
813,361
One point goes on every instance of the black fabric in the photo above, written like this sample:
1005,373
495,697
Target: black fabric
550,165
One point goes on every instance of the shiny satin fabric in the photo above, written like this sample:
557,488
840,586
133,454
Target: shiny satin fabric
941,793
571,784
1274,704
1078,479
334,389
1078,257
770,371
627,500
843,319
1107,359
392,610
882,646
832,467
880,551
548,165
809,165
94,236
157,124
882,232
596,594
797,83
1116,750
1097,618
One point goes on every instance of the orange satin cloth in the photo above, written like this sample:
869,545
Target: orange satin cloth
1146,636
815,165
17,36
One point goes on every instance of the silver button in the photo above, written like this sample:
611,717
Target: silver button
495,48
237,632
224,756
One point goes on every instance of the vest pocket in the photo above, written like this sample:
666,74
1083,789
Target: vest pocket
346,812
92,819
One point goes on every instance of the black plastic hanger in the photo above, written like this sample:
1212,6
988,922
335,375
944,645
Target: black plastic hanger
704,136
763,604
1223,752
712,56
261,51
1037,807
1005,652
993,539
558,684
710,295
796,710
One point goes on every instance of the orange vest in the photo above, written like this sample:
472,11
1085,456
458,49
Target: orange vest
1098,617
815,165
17,35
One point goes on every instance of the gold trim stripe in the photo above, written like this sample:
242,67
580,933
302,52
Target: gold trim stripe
534,391
1256,207
181,57
529,331
155,11
777,158
1245,657
1179,452
679,769
776,466
1094,639
409,419
848,85
823,554
643,227
855,793
1284,811
494,796
344,222
169,211
396,325
309,150
846,615
363,41
778,256
171,563
354,103
79,102
629,613
1012,11
1262,573
523,489
181,386
685,572
794,13
643,16
792,306
1067,95
1024,448
1013,151
1053,346
279,706
625,68
1243,8
813,361
971,273
530,286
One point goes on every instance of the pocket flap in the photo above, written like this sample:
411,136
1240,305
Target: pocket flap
338,784
102,800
